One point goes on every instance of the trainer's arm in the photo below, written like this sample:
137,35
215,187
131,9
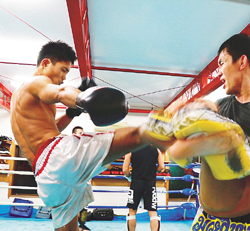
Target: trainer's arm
161,165
222,142
126,163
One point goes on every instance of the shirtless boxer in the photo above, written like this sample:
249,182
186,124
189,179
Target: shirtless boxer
225,204
63,164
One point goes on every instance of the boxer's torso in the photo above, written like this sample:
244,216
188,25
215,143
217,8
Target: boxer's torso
32,121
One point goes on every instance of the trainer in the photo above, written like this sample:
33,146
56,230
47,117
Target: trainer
143,183
225,204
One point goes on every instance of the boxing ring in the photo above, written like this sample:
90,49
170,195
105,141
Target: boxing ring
179,215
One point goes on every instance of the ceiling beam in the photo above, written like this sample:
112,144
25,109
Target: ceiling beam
208,80
78,15
5,97
143,71
118,70
201,85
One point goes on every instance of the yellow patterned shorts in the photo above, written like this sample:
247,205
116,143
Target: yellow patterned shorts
206,222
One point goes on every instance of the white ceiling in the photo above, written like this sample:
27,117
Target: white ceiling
180,36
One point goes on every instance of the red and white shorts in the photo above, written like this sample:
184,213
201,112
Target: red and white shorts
63,167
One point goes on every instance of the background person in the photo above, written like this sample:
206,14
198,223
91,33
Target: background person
143,183
77,130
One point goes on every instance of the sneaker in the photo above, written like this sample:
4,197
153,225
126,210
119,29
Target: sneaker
83,227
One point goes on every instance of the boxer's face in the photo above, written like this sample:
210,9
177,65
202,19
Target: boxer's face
78,132
229,73
57,72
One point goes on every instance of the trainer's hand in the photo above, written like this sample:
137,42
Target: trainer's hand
160,127
129,177
173,108
105,105
226,142
157,130
201,103
85,84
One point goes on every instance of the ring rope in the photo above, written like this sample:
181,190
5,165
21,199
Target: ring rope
112,163
125,207
90,206
18,187
187,178
186,191
167,165
13,158
16,172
